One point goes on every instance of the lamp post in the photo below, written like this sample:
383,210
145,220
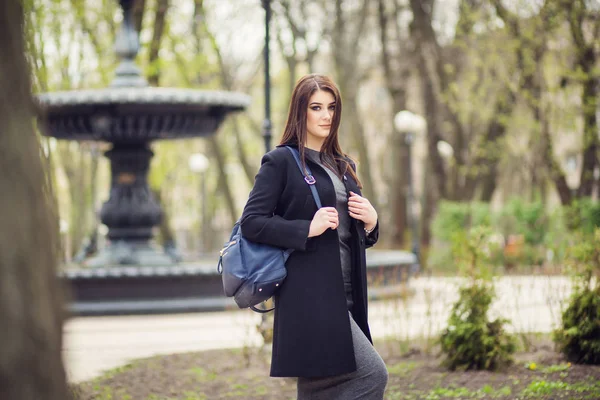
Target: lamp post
409,125
267,122
199,164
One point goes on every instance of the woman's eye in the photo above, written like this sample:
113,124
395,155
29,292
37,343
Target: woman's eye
315,108
332,108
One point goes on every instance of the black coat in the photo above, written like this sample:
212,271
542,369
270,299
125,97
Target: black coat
311,333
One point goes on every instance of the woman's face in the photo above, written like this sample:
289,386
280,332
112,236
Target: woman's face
321,107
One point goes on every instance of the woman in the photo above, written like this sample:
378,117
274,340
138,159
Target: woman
320,332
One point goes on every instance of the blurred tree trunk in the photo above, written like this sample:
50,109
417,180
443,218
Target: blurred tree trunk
70,155
396,59
76,170
531,37
216,149
290,58
227,81
139,6
31,365
431,86
586,60
482,185
160,14
299,29
166,236
219,157
165,229
99,45
428,59
345,39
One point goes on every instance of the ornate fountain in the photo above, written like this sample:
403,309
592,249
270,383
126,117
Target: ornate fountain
130,274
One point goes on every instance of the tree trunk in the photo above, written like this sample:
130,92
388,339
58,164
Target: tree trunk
73,165
227,82
30,297
530,52
345,39
162,7
139,6
586,60
556,172
166,236
431,87
217,153
428,203
249,170
396,80
488,156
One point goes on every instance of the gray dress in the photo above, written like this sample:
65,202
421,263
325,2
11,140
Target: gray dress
370,378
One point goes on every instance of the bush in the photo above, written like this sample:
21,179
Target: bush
471,340
451,219
583,215
579,336
525,218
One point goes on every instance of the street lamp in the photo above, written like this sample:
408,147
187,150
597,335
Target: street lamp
409,125
445,149
199,164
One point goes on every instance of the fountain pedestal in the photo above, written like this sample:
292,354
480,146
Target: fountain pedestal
130,115
131,212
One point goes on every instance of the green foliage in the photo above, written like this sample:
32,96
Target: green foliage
543,388
526,233
402,368
455,217
525,218
579,336
450,225
471,340
583,215
556,368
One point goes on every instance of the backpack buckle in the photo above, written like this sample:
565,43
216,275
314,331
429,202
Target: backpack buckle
310,179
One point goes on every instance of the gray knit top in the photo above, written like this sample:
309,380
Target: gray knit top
344,223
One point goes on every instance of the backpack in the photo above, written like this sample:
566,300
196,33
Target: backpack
252,272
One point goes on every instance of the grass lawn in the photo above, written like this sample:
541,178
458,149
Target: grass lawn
538,373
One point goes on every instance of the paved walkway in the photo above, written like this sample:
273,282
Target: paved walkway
95,344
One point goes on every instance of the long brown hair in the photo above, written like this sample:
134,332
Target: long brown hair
295,127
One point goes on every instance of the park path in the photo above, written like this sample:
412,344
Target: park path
95,344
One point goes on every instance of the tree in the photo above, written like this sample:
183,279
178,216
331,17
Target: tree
228,82
397,62
586,72
298,49
49,25
30,298
531,36
349,26
162,7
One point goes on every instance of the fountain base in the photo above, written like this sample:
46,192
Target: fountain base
130,253
196,286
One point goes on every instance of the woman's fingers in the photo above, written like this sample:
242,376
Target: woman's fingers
354,214
356,206
353,211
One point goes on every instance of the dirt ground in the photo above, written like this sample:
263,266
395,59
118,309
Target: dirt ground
539,373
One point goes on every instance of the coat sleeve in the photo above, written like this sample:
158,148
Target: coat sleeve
372,237
259,222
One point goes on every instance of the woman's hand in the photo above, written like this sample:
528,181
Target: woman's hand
325,217
360,208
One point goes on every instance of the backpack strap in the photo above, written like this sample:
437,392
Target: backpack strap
308,177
